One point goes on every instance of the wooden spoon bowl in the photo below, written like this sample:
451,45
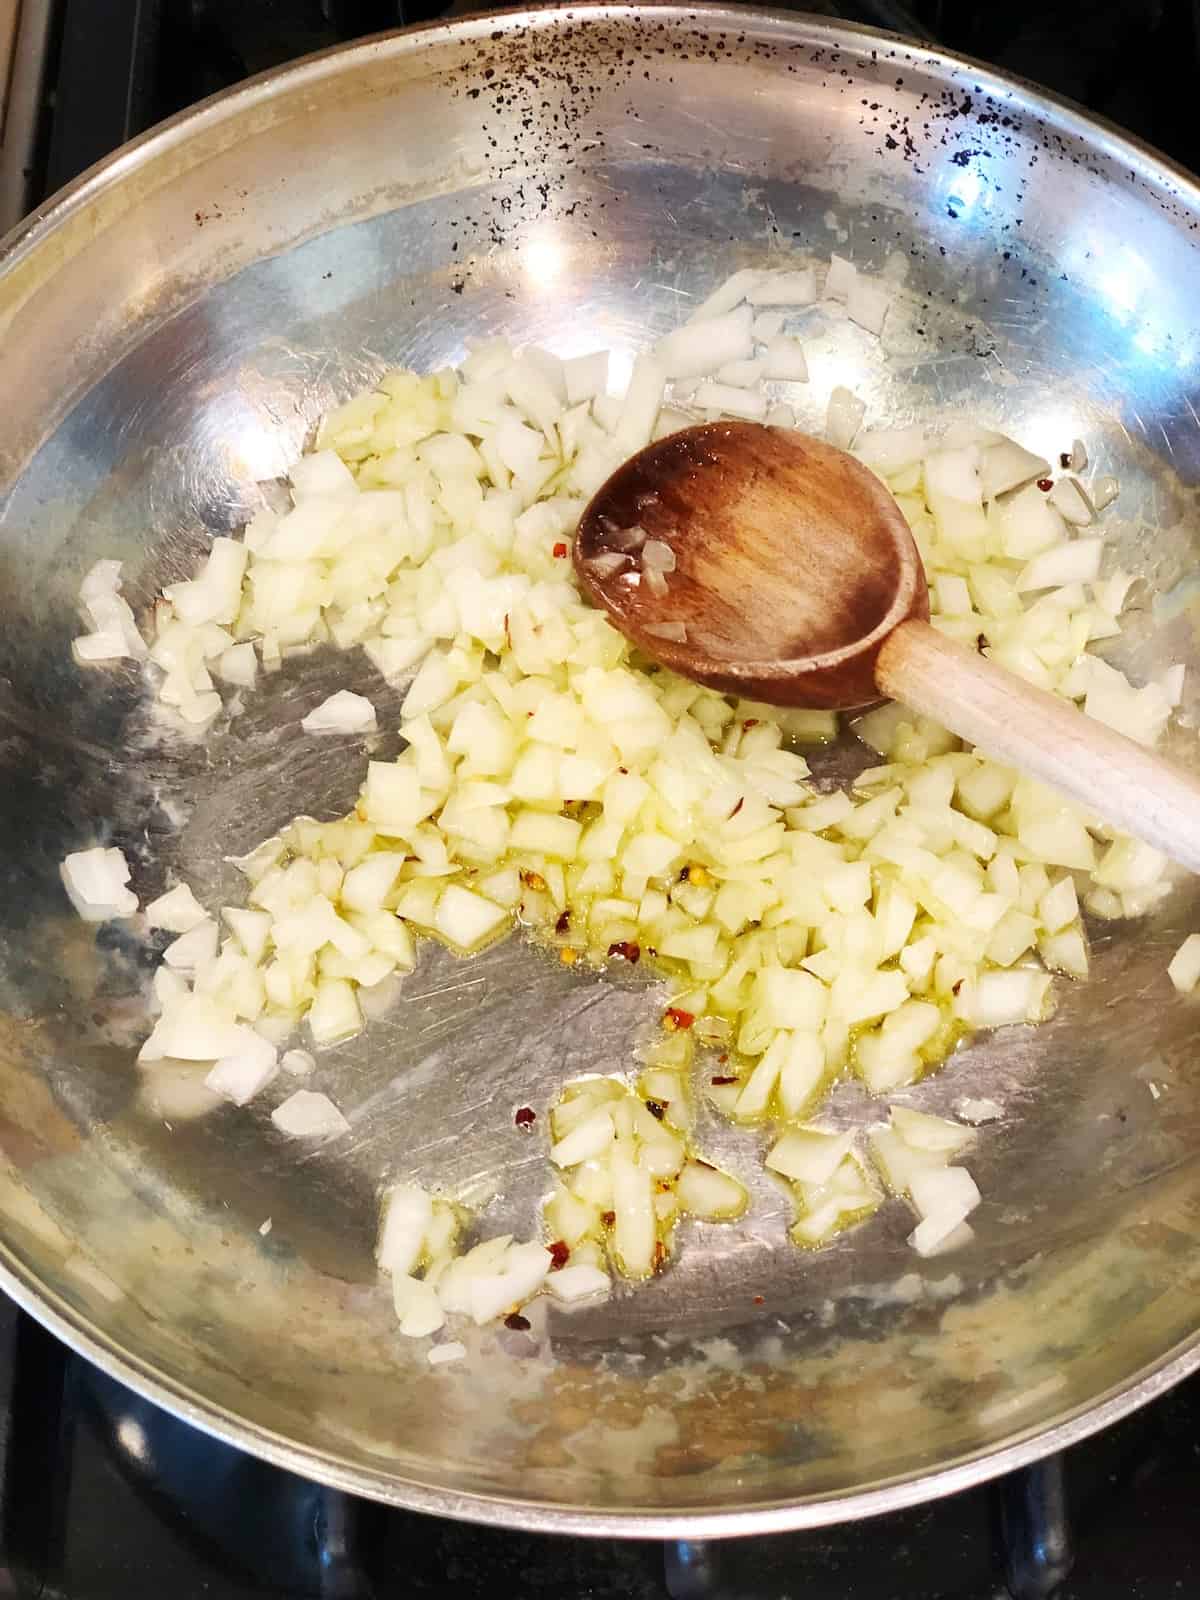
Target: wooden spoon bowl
793,563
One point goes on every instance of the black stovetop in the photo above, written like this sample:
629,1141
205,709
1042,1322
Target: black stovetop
105,1497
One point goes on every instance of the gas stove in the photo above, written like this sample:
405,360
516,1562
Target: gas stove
102,1494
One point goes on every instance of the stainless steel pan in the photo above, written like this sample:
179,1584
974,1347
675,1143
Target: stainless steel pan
171,328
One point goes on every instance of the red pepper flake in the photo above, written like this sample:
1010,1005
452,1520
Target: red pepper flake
722,1080
737,808
608,1218
981,642
560,1254
955,988
656,1109
1045,484
629,952
525,1118
517,1322
750,722
660,1253
624,771
759,1301
677,1019
723,1057
1064,460
563,923
560,550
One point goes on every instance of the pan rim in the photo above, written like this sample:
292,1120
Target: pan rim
83,1336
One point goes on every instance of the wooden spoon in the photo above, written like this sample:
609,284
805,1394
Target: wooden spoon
796,581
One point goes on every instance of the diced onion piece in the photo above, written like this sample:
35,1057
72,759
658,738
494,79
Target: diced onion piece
586,376
194,949
635,1229
467,919
943,1200
809,1155
442,1354
675,632
240,1075
1069,500
1006,466
655,581
343,712
418,1309
95,881
701,348
307,1115
1184,968
1076,562
178,910
999,998
742,374
658,555
524,1269
795,287
839,280
90,648
1103,492
976,1110
298,1063
843,418
785,360
726,295
334,1014
406,1215
709,1194
723,397
934,1134
570,1284
607,562
867,302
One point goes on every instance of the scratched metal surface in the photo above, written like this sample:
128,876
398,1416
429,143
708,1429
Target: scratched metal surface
171,331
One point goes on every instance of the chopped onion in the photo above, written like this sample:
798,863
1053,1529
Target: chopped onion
840,278
808,935
627,540
1006,466
95,881
306,1115
240,1075
723,397
343,712
607,563
726,295
407,1214
867,302
700,348
796,287
572,1284
1069,500
943,1200
418,1309
441,1354
298,1063
178,911
1103,492
843,418
193,949
1184,967
675,632
785,360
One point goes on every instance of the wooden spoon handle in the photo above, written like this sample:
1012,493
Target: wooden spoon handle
1109,775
